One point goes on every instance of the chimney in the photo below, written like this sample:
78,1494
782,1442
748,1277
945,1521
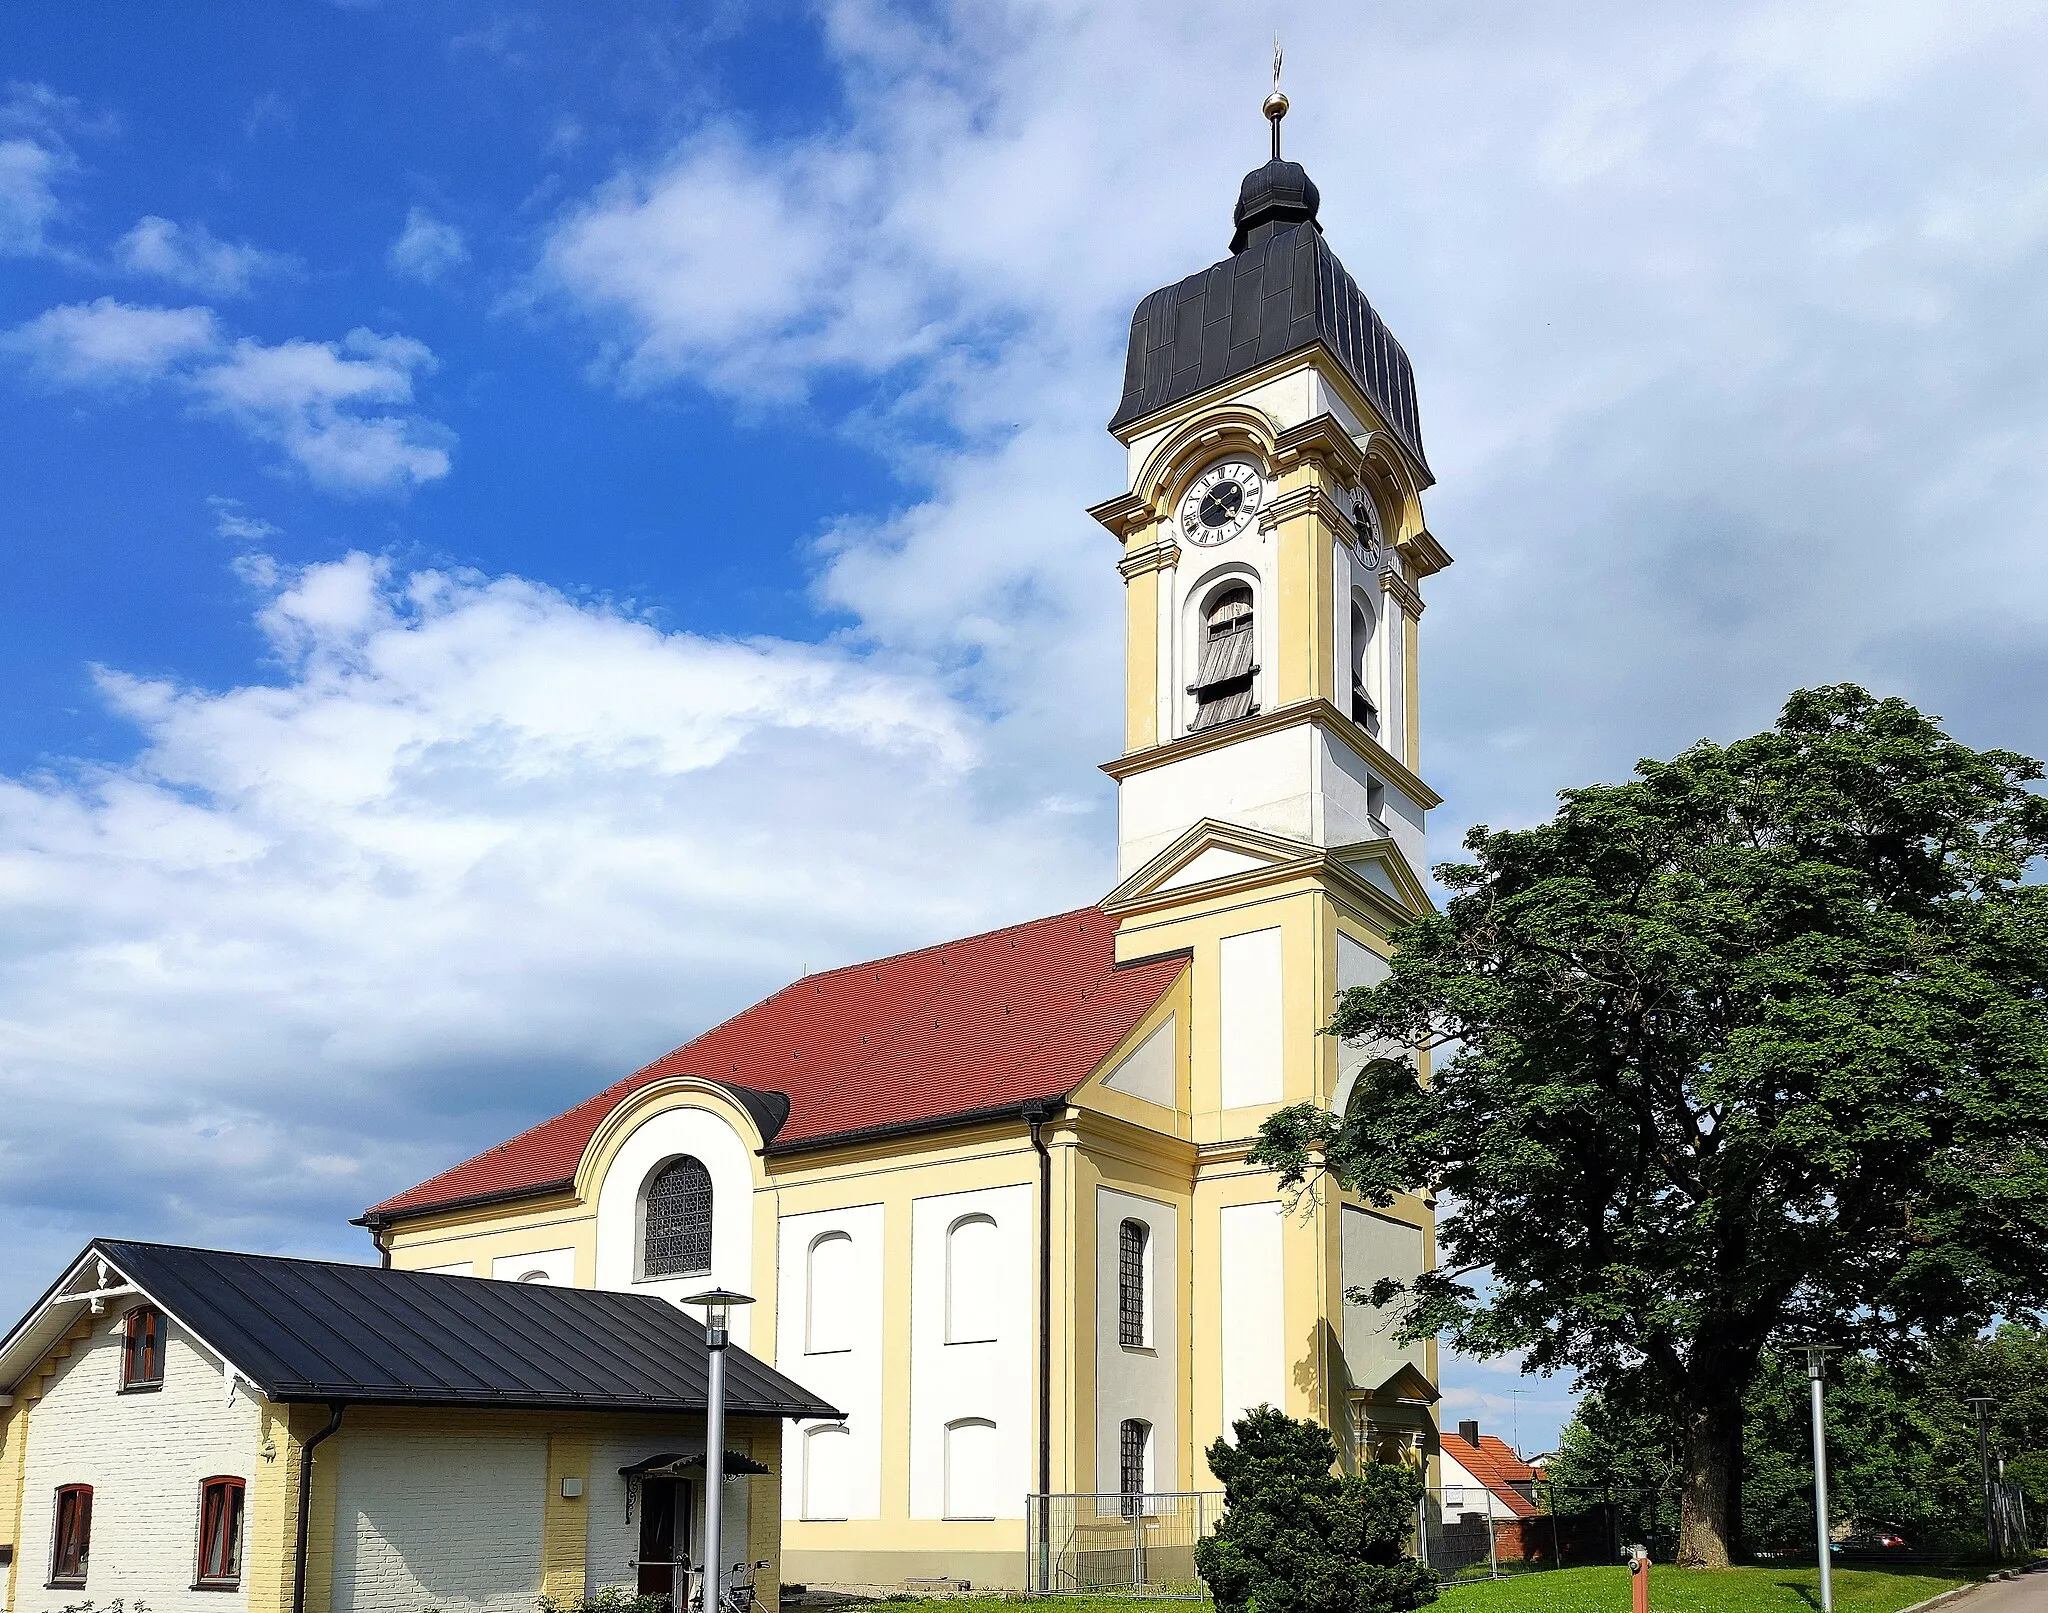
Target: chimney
1469,1432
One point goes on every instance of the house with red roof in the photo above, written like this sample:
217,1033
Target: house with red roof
991,1198
1481,1474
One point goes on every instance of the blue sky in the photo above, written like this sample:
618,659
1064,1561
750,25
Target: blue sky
530,526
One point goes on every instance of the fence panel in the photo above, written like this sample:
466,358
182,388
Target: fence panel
1126,1545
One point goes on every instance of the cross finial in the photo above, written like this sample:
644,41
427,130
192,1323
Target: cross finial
1276,103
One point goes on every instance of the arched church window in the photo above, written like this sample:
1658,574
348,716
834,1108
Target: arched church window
676,1239
1363,711
1227,667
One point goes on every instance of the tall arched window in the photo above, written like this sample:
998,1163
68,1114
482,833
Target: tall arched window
1134,1455
974,1469
1228,667
676,1220
974,1276
828,1295
828,1471
1363,711
1131,1239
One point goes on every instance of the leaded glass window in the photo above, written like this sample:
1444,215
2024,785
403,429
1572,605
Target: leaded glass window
1136,1434
677,1239
1130,1285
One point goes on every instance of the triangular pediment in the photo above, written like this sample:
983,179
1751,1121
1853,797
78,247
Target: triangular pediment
1209,853
1407,1387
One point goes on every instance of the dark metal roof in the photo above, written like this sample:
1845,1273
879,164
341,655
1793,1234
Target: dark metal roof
312,1330
1281,290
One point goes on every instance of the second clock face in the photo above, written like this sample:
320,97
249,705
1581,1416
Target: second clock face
1221,503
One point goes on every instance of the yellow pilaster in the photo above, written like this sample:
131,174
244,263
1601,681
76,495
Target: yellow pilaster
1141,658
764,1512
565,1525
273,1513
13,1468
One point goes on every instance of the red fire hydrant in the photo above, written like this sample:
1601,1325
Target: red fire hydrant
1639,1579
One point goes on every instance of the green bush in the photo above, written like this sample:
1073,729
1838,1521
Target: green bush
605,1599
1297,1537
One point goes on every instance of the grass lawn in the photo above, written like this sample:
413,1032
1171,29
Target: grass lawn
1732,1590
1567,1590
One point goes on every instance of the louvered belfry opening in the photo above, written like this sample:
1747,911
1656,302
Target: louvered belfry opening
1228,666
678,1235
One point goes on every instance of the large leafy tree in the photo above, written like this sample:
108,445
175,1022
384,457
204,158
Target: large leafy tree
1750,1048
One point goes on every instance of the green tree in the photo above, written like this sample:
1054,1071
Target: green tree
1298,1537
1750,1047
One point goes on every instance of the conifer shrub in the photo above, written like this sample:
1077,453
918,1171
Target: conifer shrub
1299,1537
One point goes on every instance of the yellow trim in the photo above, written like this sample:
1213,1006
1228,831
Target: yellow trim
271,1527
13,1478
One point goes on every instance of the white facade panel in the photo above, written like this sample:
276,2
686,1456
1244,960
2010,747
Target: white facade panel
1357,965
1253,1294
145,1455
555,1267
612,1540
1249,1041
438,1521
1263,782
975,1380
1137,1381
454,1268
1373,1247
1151,1070
828,1336
661,1137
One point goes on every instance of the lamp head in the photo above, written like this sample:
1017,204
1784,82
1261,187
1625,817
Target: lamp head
719,1304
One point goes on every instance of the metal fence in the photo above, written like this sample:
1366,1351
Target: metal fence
1133,1545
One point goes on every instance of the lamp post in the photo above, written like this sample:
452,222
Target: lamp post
1982,1404
1816,1363
719,1304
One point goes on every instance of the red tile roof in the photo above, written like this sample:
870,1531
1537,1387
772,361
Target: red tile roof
1493,1463
992,1021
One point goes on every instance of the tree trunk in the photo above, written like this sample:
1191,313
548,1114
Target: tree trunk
1713,1451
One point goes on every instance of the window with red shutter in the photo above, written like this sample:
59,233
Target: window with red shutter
220,1535
142,1356
72,1546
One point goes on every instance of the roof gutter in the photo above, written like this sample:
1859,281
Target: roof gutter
306,1505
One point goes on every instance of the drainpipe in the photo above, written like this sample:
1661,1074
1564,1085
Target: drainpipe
334,1412
1034,1117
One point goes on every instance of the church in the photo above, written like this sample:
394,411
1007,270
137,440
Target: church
991,1197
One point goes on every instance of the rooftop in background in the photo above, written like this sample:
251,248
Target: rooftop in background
1280,290
313,1330
972,1028
1493,1462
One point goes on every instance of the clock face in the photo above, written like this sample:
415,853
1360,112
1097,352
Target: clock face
1221,503
1366,522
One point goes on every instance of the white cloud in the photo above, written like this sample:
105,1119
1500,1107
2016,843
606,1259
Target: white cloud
28,197
474,833
427,247
188,255
341,411
105,342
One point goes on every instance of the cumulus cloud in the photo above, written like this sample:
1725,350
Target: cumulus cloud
188,255
34,156
426,248
340,411
475,850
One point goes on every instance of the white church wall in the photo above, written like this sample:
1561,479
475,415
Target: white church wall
1253,1293
970,1352
1249,980
454,1268
829,1338
555,1267
1357,965
1372,1247
1150,1070
438,1520
1137,1381
145,1455
1263,782
661,1137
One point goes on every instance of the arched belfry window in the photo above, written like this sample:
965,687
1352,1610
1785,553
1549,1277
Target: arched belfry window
1363,711
676,1220
1228,666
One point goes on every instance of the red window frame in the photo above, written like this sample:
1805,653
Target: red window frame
221,1507
71,1537
142,1349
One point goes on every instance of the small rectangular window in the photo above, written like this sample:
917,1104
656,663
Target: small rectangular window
142,1353
220,1535
71,1547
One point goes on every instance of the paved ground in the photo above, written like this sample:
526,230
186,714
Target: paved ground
2025,1595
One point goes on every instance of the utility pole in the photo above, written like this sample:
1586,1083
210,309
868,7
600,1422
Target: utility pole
1816,1363
1982,1405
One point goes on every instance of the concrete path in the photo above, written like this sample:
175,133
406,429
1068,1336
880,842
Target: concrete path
2028,1594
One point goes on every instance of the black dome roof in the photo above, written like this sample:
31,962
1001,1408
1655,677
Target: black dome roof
1278,193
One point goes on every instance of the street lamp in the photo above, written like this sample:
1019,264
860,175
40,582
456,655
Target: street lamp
719,1304
1816,1363
1982,1404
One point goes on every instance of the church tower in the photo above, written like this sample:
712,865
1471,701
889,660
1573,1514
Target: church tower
1271,802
